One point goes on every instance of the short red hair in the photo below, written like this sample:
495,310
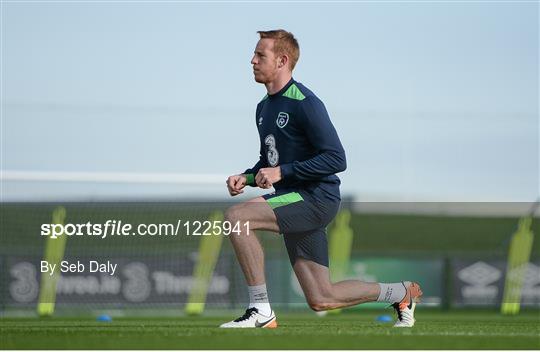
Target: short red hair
284,44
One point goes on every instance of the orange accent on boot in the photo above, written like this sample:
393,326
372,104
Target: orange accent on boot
413,294
272,325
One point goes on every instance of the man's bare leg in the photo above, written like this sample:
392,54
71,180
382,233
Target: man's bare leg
321,294
250,255
246,245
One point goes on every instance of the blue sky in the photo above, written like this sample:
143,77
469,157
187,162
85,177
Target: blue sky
433,100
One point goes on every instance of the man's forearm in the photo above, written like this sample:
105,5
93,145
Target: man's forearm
324,164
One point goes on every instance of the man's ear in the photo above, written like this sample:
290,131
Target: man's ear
283,60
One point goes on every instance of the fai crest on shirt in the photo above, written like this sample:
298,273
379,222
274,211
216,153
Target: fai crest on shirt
282,119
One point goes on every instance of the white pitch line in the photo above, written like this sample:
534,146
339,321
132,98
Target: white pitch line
112,177
512,334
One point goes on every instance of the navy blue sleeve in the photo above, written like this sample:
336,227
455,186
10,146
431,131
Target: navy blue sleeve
250,173
322,135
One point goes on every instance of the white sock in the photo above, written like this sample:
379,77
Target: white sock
258,298
391,293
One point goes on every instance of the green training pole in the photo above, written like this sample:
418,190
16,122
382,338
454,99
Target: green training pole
341,238
209,249
54,253
518,260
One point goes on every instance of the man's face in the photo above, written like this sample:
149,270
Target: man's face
264,61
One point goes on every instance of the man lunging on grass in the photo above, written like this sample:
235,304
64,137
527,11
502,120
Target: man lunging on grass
300,154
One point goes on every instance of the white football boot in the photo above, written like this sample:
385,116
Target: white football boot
253,319
405,308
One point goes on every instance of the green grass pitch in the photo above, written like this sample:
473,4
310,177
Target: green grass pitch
350,330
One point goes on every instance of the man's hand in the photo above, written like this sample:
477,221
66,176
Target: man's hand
267,176
236,184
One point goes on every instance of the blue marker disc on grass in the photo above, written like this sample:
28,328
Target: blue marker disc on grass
384,318
104,318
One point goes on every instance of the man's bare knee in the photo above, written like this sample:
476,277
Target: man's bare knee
235,214
319,304
241,214
320,299
315,282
